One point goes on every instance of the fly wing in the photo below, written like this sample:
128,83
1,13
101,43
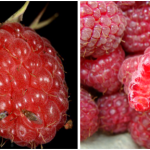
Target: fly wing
37,120
33,117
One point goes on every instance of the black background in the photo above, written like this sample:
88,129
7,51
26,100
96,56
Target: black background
62,33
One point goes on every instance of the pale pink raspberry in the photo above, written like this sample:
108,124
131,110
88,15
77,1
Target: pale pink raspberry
137,33
102,25
102,73
114,113
88,115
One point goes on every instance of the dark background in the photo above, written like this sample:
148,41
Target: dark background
62,33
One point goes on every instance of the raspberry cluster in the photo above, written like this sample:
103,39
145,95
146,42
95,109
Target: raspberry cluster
118,71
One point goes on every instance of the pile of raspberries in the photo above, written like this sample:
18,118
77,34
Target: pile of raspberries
115,69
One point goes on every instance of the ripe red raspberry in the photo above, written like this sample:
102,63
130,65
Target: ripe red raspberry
88,115
114,113
139,128
102,73
101,27
136,35
128,66
33,91
139,97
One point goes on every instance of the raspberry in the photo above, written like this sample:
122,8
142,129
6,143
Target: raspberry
101,74
33,91
139,87
139,128
114,113
88,115
128,66
136,35
101,27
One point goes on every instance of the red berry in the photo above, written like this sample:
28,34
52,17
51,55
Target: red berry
101,27
139,128
88,115
102,73
33,91
136,35
114,113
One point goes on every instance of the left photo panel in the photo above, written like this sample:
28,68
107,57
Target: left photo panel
38,75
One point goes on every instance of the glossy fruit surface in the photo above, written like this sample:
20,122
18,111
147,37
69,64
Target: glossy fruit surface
33,91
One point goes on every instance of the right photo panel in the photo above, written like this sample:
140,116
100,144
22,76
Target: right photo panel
114,74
